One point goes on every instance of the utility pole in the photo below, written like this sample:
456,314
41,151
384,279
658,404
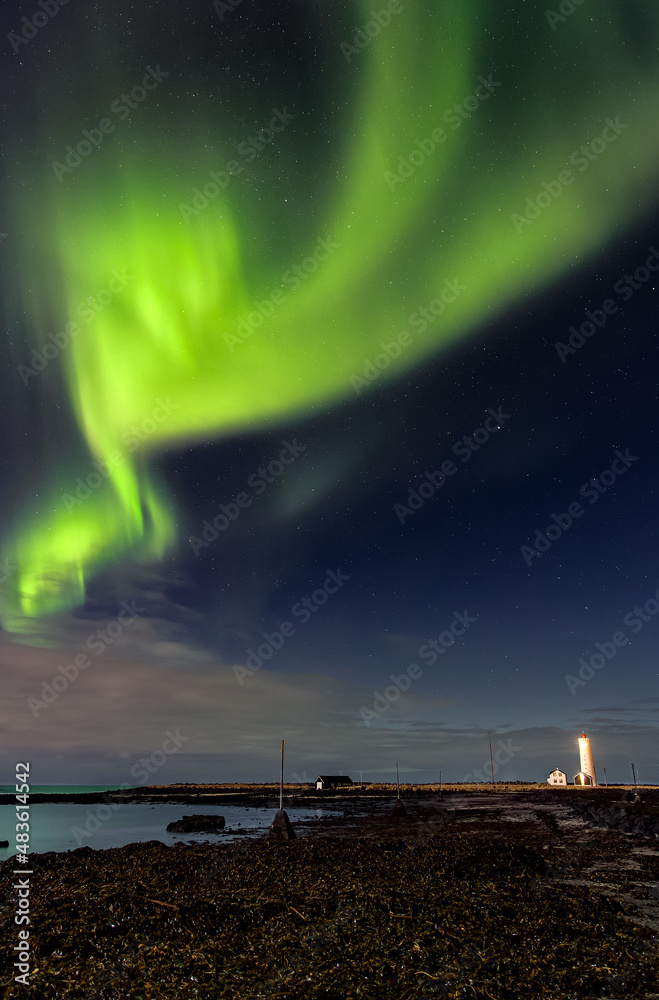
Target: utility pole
606,783
281,778
634,773
397,785
440,781
491,759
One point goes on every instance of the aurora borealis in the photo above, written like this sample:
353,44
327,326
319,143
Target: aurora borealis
232,227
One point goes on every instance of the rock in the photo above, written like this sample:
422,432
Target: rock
197,824
4,843
398,810
280,828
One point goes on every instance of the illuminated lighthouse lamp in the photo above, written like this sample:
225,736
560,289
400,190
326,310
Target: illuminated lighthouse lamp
586,776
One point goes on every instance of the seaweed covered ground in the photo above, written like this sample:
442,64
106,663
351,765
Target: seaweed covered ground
481,896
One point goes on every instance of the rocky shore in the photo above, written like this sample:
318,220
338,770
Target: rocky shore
471,895
636,816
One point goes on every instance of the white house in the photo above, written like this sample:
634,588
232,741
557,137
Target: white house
557,777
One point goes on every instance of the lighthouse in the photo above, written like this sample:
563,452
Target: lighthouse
586,775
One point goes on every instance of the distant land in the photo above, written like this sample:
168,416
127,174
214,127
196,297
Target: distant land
294,792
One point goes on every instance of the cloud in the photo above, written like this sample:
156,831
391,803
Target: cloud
153,678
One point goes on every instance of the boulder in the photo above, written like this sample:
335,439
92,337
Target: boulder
197,824
280,828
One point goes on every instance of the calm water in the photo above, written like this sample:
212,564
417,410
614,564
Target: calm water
11,790
56,826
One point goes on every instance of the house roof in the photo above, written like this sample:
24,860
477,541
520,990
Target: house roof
335,777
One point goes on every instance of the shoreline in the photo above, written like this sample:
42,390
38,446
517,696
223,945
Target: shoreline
294,794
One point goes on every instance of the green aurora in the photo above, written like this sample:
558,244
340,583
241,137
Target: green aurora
391,245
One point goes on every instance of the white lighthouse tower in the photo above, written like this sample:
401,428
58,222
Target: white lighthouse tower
586,775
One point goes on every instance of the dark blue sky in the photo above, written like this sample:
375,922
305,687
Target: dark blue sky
462,550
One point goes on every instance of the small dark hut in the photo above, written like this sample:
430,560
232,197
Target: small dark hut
328,781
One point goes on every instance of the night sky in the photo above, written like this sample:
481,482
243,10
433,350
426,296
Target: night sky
329,389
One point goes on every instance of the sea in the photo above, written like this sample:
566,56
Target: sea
64,826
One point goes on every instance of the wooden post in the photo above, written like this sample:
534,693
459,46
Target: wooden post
491,760
606,783
281,778
397,785
634,774
440,781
